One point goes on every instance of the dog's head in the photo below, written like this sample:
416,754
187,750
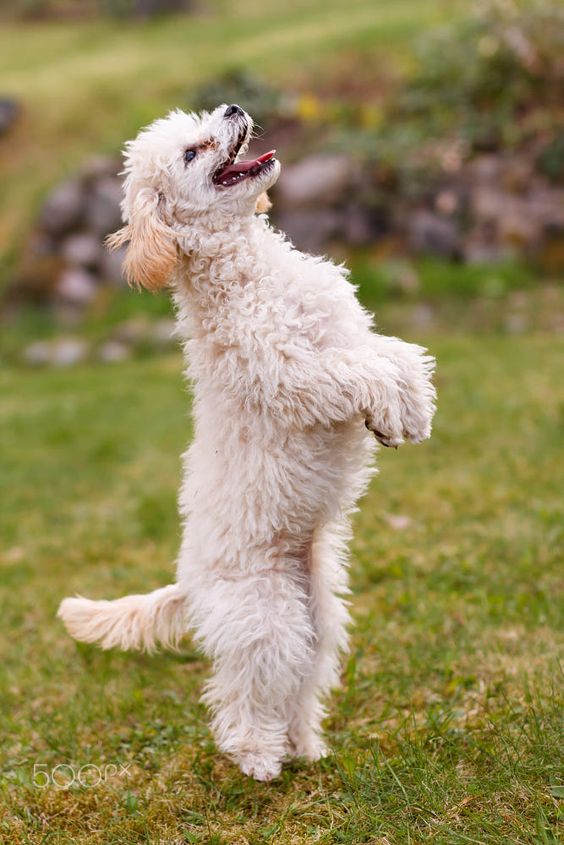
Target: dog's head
186,168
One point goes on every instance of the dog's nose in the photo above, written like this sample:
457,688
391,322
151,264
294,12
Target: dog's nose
234,109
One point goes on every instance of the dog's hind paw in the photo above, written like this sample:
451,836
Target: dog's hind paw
259,766
311,747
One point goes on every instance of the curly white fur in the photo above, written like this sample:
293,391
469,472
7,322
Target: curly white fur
288,374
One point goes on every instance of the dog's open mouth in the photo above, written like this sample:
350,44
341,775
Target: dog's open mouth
232,172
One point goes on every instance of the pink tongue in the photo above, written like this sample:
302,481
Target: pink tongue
245,166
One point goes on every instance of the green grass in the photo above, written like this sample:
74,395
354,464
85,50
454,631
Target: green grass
86,87
435,279
447,728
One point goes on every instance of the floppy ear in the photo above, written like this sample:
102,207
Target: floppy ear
152,251
263,203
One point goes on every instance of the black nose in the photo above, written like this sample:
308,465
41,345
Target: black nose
233,109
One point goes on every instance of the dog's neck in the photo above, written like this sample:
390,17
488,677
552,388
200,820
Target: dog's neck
218,260
223,253
211,235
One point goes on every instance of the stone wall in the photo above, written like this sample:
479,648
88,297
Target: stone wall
485,210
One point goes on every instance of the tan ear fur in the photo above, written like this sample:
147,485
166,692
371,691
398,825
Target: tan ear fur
152,252
263,203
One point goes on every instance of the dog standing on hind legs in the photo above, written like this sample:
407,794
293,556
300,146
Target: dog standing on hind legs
292,387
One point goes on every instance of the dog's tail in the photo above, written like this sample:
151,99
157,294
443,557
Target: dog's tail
132,623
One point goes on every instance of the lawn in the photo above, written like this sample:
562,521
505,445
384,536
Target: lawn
447,728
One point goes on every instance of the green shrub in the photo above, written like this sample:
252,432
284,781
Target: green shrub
495,78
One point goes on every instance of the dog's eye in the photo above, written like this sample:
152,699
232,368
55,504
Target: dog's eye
189,155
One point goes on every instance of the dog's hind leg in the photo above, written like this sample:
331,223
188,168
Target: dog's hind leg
257,630
330,617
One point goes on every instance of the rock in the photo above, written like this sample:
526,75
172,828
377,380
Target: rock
428,232
517,174
82,249
113,351
133,331
9,112
63,209
61,352
516,323
100,166
76,287
447,202
111,262
315,180
311,229
518,300
67,351
484,170
361,226
519,220
103,213
547,204
518,227
38,353
482,246
40,245
164,332
487,203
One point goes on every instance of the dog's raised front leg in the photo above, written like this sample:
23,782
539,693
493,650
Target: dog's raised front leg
417,395
391,389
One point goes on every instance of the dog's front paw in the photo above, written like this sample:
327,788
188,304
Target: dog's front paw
416,434
418,394
383,432
414,403
418,408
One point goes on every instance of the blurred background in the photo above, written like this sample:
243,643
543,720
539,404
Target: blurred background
422,142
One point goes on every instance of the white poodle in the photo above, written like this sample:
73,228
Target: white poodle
288,375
